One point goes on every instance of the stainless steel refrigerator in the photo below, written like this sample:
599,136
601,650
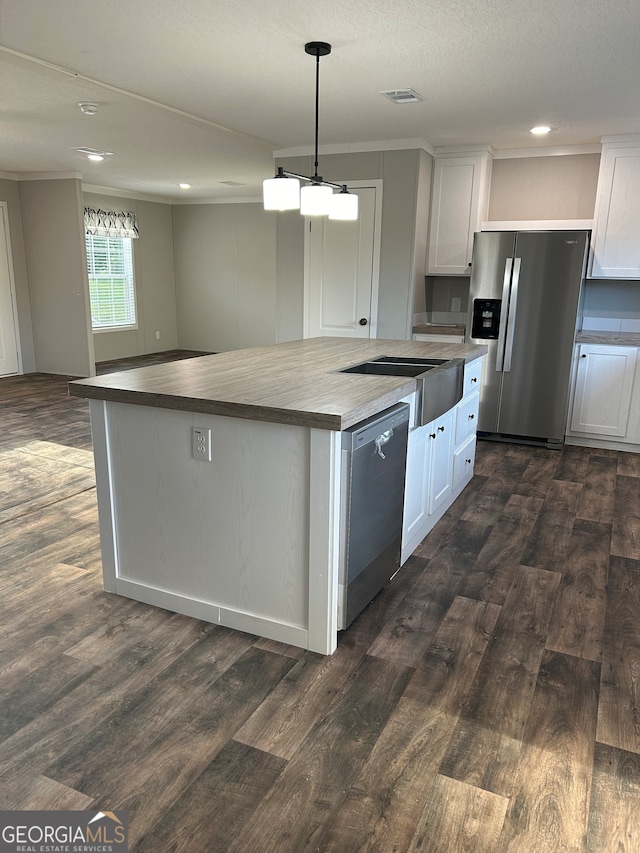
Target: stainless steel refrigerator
523,303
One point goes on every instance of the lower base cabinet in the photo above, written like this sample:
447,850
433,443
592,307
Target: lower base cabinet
605,399
440,458
602,396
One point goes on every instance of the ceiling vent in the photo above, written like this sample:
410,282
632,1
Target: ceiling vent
231,183
403,96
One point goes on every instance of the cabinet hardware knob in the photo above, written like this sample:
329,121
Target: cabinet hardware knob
471,417
440,429
362,321
432,435
468,461
584,355
474,379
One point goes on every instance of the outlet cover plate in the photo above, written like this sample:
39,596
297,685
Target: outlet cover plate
201,443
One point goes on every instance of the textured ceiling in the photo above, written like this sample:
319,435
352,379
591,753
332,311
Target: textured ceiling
203,91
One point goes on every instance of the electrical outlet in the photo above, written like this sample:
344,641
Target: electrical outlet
157,336
456,305
201,443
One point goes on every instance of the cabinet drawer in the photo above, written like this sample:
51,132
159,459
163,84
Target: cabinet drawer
466,418
472,374
463,460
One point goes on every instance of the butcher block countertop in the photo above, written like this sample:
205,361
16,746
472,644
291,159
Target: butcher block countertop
291,383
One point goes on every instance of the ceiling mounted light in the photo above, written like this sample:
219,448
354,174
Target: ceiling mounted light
540,130
185,186
88,107
93,153
318,199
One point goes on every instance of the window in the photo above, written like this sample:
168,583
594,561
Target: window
111,284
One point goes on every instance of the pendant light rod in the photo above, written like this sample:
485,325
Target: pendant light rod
317,49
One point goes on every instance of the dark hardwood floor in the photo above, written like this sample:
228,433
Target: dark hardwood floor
488,700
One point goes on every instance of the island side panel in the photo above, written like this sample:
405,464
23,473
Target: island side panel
226,540
324,540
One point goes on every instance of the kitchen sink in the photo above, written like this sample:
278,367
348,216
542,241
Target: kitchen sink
439,380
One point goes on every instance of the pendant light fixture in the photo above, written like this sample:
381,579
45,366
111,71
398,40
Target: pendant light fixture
317,197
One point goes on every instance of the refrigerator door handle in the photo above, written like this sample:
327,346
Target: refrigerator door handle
506,284
511,324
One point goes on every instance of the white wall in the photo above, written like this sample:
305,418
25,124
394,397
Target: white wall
155,282
562,187
57,273
10,193
225,262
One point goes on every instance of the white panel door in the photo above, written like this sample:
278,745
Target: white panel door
8,334
340,273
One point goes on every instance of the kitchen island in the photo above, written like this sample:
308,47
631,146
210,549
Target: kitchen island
251,538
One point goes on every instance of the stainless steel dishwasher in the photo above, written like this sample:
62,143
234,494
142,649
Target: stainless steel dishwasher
374,458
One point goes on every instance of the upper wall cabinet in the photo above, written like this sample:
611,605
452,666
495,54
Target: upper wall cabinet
616,240
459,204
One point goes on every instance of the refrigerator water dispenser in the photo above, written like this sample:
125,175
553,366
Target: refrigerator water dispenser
486,319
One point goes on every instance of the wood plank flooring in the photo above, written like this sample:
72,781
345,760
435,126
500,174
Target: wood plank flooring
488,700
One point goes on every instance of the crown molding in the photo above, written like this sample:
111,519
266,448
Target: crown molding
551,151
357,147
42,176
111,191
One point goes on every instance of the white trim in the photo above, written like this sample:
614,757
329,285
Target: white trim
604,443
356,148
226,200
4,206
9,176
539,225
112,191
104,493
324,526
462,150
551,151
48,176
622,139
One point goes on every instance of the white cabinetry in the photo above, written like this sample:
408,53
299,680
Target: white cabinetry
440,461
616,245
459,203
603,390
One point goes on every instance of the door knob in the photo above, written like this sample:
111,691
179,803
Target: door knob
363,321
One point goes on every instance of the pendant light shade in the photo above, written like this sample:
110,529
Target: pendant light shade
281,193
315,200
344,205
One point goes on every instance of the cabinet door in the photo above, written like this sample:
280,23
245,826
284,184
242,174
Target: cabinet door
441,437
616,248
603,389
458,206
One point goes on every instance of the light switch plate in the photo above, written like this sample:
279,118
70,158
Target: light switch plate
201,443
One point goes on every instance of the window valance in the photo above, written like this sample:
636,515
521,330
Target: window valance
110,223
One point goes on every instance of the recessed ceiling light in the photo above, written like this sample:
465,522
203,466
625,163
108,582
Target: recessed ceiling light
540,129
185,186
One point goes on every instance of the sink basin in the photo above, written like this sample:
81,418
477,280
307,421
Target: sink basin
388,365
439,380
